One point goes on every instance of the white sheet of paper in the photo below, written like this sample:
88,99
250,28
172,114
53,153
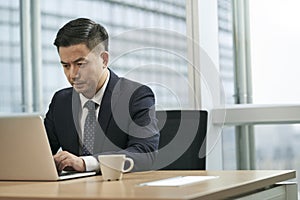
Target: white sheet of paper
178,181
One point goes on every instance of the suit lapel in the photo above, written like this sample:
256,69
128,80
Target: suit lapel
76,110
105,112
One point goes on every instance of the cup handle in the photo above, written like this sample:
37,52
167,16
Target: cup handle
131,165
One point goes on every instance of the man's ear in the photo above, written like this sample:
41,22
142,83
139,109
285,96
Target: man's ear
105,56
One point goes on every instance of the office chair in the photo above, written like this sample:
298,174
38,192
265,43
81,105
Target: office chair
182,140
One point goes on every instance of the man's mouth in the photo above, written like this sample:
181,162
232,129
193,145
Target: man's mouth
78,84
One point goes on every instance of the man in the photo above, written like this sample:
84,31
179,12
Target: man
101,113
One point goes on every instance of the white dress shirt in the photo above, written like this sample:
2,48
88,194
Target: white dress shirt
91,163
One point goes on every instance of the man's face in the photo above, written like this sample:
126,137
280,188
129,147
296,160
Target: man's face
85,70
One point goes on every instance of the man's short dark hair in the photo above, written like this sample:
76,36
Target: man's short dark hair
82,31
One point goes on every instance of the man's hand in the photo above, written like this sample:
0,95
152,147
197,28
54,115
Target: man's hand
67,161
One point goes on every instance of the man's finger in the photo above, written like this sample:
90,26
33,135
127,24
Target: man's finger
64,163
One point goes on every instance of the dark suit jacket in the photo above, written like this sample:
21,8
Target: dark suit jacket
126,117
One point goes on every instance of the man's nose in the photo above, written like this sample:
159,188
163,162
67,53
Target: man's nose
74,71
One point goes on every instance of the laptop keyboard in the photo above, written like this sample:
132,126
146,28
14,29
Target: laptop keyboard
65,173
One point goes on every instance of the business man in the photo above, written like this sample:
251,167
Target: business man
101,113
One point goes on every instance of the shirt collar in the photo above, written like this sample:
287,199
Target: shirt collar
98,96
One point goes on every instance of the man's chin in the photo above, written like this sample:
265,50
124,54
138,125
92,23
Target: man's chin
79,90
86,93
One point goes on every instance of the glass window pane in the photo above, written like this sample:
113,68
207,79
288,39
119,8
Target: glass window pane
275,41
229,148
277,147
226,52
10,76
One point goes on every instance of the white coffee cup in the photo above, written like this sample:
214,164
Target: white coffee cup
112,166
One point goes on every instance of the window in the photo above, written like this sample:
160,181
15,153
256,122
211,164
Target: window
161,64
275,44
10,61
274,40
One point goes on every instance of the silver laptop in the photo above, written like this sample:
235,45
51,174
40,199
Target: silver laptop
25,152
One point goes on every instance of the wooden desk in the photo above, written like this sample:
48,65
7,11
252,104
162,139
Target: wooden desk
229,184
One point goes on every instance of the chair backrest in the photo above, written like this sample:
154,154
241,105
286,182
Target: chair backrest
182,143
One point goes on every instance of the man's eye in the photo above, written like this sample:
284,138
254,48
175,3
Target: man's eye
66,66
81,64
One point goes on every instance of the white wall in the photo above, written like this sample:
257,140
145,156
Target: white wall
212,92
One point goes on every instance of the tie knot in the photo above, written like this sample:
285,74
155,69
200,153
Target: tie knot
90,105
